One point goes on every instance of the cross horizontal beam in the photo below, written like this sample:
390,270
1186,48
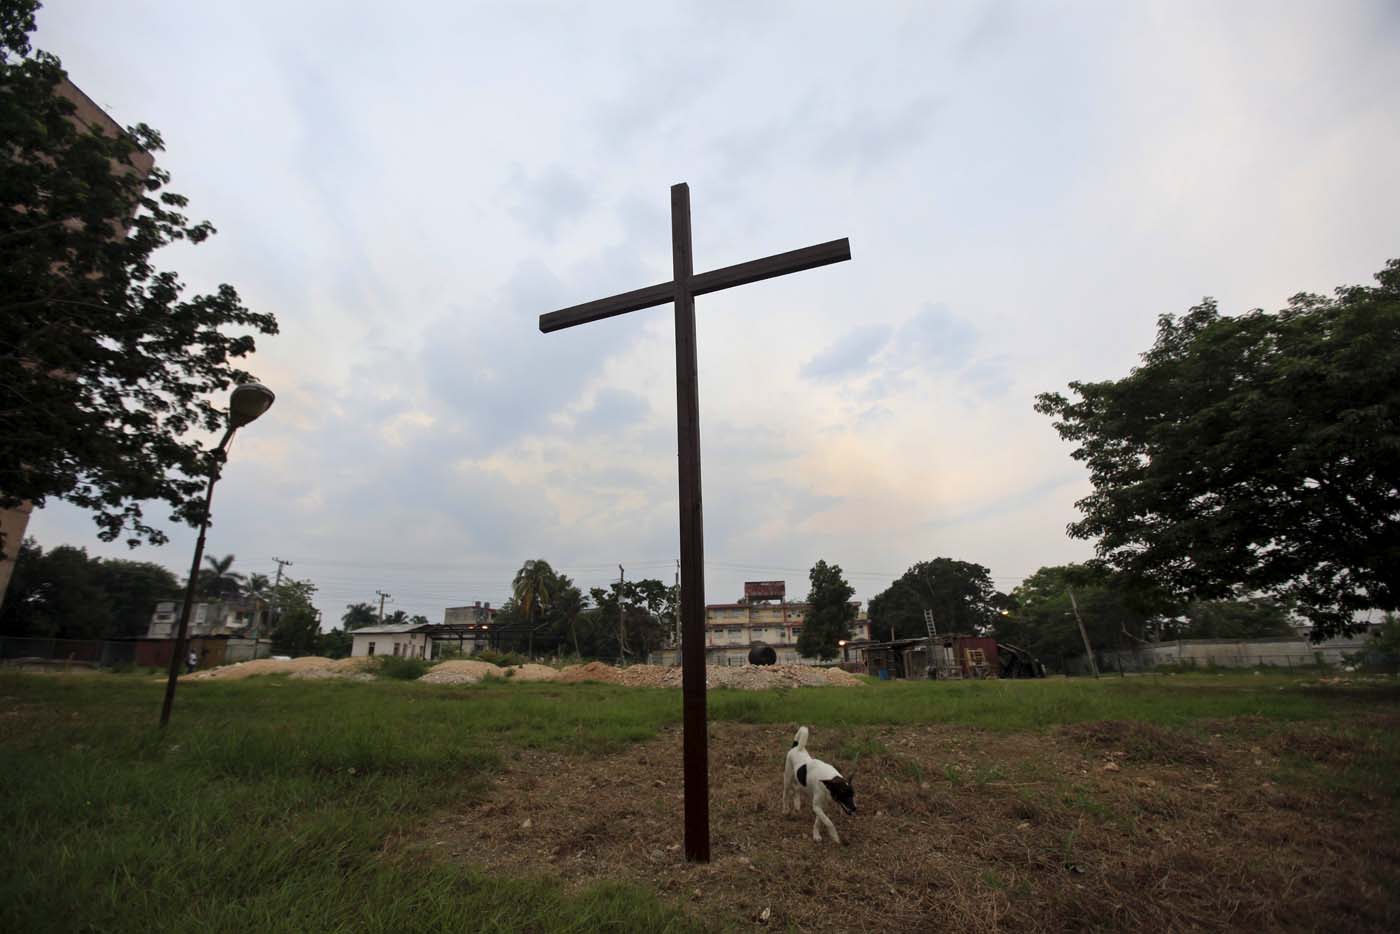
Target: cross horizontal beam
779,264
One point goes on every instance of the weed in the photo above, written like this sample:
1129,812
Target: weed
863,748
988,773
500,659
911,769
401,667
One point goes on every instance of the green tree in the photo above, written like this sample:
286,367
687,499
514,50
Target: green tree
359,615
297,629
643,607
58,594
107,370
258,589
396,618
1254,454
218,581
1236,619
829,612
568,603
133,589
335,644
960,594
534,587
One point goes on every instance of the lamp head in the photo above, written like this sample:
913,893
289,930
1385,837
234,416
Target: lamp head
248,401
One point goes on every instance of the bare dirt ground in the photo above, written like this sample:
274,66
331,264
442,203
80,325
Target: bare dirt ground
1106,826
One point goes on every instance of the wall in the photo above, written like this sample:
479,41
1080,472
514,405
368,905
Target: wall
1243,653
412,644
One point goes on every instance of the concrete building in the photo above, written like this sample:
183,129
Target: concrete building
207,618
762,617
405,640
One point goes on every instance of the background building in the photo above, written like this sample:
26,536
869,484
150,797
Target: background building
762,617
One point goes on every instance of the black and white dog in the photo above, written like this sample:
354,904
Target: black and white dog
815,778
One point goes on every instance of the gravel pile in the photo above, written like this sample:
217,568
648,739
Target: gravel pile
462,671
471,671
532,672
743,677
271,666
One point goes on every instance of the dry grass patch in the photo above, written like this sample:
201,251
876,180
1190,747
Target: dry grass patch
1104,825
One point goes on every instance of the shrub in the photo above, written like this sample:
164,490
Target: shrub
401,667
501,659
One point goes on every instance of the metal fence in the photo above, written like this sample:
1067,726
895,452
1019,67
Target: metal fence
124,653
94,653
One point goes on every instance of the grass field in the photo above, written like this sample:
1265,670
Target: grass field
284,805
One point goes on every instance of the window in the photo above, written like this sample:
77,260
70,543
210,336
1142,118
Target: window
396,648
371,648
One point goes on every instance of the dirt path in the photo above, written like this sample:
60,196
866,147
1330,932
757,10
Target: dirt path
1104,826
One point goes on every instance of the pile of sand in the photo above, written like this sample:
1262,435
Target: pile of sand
592,671
471,671
532,672
462,671
321,674
268,666
744,677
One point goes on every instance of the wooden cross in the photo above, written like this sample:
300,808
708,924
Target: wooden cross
682,289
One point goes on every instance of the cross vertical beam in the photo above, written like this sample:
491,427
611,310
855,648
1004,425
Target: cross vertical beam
682,289
692,597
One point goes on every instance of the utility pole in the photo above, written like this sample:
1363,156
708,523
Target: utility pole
1088,649
621,616
275,584
382,597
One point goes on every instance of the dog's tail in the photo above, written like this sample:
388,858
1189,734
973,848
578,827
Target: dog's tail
800,740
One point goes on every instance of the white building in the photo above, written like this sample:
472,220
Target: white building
207,618
405,640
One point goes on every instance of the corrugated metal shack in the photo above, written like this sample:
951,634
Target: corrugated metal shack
920,659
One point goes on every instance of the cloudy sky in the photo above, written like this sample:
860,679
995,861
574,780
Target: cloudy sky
1026,187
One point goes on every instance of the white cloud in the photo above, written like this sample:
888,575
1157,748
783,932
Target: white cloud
1025,191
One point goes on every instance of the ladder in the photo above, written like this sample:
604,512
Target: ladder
937,659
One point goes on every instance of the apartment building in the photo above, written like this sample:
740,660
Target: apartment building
762,617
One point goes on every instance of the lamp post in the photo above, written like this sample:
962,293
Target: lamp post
248,401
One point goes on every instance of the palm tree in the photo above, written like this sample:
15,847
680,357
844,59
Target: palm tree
218,580
534,587
257,590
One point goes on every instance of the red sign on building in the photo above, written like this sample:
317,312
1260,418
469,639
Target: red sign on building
764,590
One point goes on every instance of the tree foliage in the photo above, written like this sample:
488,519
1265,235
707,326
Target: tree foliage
219,581
829,612
1254,454
1235,619
359,615
534,587
107,368
66,594
297,629
1118,612
960,594
647,608
335,644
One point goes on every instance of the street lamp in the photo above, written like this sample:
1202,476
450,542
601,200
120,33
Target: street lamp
248,401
